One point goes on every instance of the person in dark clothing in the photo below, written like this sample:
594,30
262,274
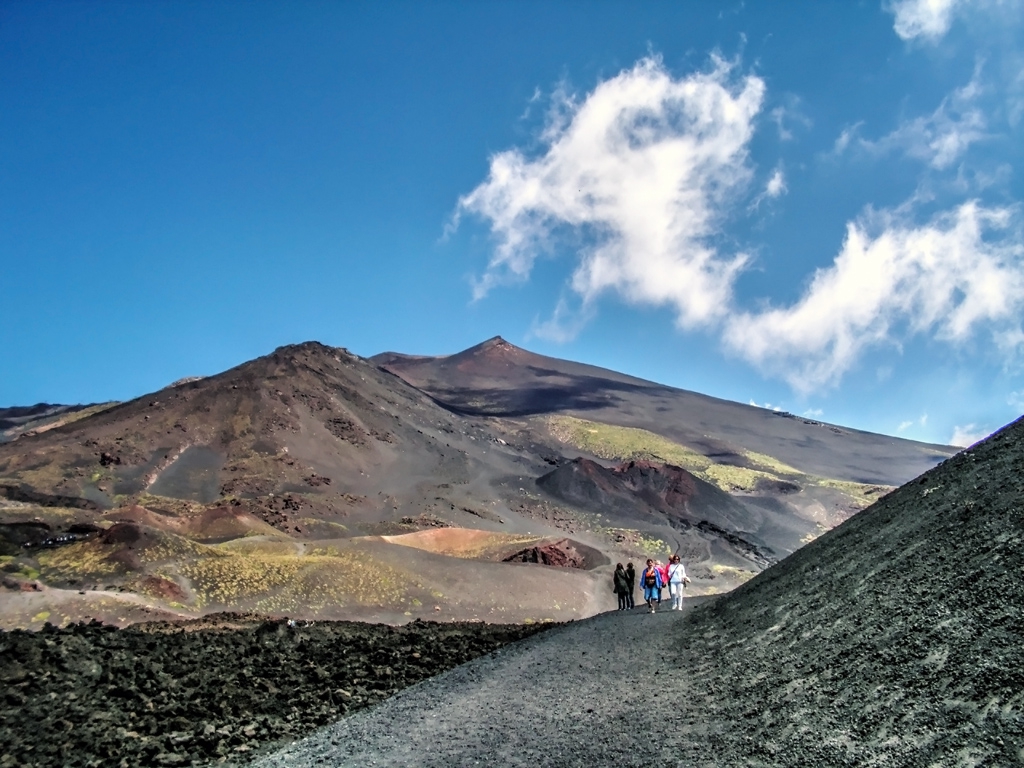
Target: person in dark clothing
631,580
620,585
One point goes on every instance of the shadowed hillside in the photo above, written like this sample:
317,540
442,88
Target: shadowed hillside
496,378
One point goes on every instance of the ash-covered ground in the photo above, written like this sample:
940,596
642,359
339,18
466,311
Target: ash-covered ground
215,690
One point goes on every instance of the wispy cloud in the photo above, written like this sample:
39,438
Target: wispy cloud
946,278
939,139
1016,401
635,176
774,187
789,115
776,184
905,425
928,19
968,435
565,323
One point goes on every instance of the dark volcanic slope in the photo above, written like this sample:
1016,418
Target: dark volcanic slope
499,379
642,489
895,640
649,492
22,420
287,423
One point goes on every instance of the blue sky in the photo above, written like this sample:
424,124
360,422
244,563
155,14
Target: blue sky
808,206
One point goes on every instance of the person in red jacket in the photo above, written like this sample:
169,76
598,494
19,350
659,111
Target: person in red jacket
663,570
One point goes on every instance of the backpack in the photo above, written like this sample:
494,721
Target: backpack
650,580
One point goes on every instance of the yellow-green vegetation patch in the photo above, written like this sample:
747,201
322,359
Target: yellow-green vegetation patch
253,546
46,477
732,573
275,584
611,442
807,538
770,463
632,540
732,479
171,547
864,494
178,507
608,441
84,558
26,513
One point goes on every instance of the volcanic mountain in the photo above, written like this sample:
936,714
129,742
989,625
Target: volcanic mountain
313,482
498,379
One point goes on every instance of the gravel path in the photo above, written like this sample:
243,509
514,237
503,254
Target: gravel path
562,690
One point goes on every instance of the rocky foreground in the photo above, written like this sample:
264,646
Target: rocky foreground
211,691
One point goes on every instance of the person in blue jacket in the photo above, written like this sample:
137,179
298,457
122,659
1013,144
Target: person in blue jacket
652,583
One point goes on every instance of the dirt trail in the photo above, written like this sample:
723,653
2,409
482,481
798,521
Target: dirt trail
567,697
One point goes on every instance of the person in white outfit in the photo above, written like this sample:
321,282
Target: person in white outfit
676,579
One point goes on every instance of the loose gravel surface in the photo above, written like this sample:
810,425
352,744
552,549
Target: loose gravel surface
211,691
572,696
895,640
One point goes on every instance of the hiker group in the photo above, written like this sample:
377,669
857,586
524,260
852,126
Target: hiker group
653,579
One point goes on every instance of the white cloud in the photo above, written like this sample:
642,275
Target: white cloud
636,175
1016,401
564,324
905,425
775,187
778,117
636,178
814,413
968,435
766,406
846,136
791,113
776,184
946,278
939,139
930,19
